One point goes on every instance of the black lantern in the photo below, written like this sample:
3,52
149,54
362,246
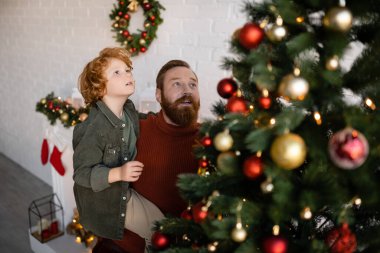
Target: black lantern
46,218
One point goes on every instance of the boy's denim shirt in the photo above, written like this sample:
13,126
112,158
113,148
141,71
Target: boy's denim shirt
99,145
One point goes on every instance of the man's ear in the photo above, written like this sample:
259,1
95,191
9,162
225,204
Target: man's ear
158,95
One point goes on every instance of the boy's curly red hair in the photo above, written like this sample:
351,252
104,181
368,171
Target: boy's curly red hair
92,81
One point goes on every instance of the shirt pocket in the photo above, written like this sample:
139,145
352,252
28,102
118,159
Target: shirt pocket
111,155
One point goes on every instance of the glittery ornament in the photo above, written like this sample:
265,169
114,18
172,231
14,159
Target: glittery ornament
348,148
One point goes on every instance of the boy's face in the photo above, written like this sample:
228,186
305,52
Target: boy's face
120,82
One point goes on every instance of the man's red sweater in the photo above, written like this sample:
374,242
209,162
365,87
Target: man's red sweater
166,151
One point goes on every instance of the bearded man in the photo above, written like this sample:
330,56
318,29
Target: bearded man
165,147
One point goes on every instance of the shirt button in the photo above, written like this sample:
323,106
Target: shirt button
122,139
125,158
124,198
123,214
123,125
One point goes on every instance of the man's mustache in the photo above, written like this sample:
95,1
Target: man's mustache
184,98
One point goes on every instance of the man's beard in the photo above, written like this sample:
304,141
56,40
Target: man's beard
181,115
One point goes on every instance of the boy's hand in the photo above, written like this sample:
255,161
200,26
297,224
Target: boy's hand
131,171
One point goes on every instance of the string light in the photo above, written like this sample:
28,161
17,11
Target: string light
370,104
276,230
318,118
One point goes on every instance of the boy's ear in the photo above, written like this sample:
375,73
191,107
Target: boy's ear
158,95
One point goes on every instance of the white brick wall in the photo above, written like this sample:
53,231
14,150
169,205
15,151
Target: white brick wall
45,44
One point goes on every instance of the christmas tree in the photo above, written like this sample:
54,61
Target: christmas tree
291,163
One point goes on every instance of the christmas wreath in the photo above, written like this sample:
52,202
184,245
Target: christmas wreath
121,16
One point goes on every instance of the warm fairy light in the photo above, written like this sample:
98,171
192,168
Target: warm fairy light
354,133
251,108
269,67
296,71
276,230
238,93
272,121
259,153
265,93
237,153
318,118
306,213
358,201
78,239
370,103
264,23
300,19
279,21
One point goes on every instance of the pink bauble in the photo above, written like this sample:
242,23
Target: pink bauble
348,148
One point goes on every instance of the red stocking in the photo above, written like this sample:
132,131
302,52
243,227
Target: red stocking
44,152
55,160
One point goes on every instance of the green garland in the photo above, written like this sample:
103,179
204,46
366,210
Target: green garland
55,108
120,15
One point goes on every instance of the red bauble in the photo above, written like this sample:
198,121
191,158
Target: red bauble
206,141
348,148
126,16
251,35
253,167
160,241
187,214
265,102
143,49
152,18
147,6
237,104
227,87
275,244
200,212
143,34
119,13
203,163
126,33
341,240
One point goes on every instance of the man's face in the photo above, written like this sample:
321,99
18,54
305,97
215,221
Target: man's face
179,97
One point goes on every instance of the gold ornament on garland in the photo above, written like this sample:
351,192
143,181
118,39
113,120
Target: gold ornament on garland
223,141
55,108
276,32
293,87
288,151
338,19
141,40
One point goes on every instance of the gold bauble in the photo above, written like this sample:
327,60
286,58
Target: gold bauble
338,19
43,101
142,42
223,141
332,63
293,87
276,33
64,117
267,186
83,116
238,234
288,151
227,162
